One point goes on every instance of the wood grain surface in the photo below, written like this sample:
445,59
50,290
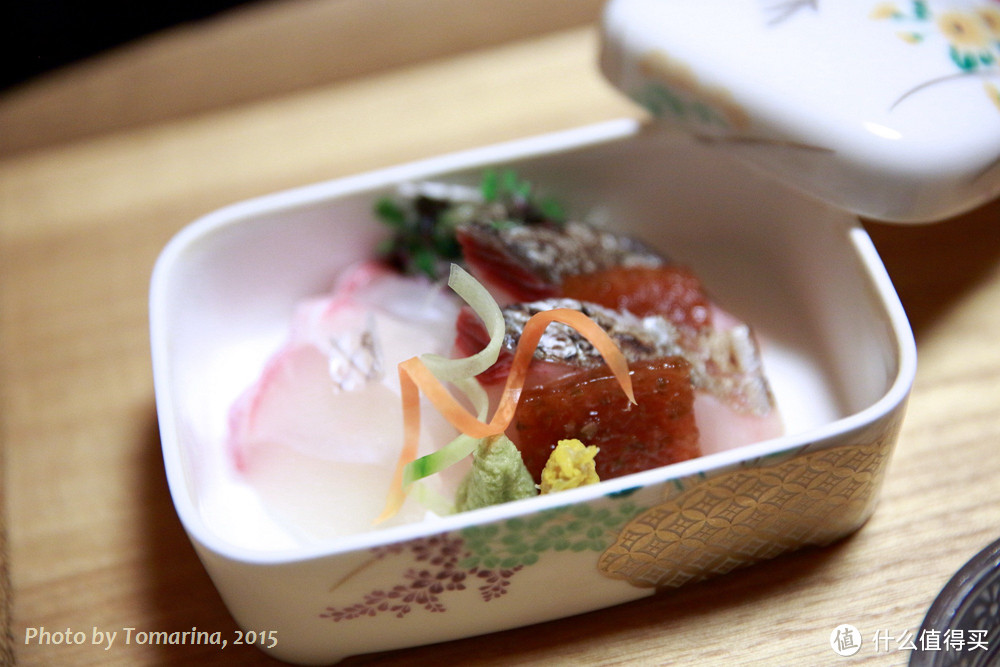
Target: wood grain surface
100,176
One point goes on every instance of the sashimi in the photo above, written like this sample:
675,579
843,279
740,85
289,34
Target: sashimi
652,308
581,351
658,430
328,398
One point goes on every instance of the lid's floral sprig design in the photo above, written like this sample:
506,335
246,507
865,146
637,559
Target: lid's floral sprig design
782,10
671,88
972,37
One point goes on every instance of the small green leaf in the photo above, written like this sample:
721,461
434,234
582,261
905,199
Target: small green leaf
474,533
703,113
965,61
390,212
469,563
477,547
508,182
518,548
490,185
665,99
424,261
542,544
552,209
511,538
626,509
447,247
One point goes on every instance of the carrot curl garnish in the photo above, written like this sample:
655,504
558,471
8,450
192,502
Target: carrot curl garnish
415,376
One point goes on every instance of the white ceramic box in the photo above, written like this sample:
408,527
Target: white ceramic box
835,342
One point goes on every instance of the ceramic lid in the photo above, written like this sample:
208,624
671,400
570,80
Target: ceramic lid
887,109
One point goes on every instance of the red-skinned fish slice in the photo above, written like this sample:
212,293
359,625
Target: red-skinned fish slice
672,291
530,262
658,430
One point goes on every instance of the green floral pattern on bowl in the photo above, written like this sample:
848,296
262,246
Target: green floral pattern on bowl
485,557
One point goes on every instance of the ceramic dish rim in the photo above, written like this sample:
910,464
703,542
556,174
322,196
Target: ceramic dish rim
573,139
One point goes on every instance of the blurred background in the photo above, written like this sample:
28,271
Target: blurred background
121,65
53,33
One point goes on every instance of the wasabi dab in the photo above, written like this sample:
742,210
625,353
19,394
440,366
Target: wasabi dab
498,475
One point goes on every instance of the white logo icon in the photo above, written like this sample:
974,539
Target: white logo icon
845,640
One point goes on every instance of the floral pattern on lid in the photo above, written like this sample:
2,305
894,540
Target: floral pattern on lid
972,37
873,106
672,88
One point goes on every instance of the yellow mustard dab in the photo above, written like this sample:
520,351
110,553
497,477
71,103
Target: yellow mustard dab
570,465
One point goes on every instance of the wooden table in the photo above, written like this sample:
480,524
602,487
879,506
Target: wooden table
103,163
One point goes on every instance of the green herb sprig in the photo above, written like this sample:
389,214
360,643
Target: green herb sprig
422,228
